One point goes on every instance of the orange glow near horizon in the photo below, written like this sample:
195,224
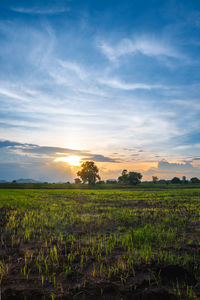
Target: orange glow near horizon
72,160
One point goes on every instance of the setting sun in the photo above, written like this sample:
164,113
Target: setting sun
71,160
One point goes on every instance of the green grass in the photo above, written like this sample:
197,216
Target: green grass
77,241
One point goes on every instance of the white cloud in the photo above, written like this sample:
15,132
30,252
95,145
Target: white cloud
118,84
10,94
145,45
74,67
40,11
192,146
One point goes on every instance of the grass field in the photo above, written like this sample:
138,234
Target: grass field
100,244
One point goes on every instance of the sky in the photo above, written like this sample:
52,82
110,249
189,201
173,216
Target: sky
116,82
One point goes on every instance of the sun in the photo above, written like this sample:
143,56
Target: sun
72,160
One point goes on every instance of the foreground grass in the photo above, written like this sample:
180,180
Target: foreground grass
100,243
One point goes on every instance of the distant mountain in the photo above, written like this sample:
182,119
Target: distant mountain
26,180
3,181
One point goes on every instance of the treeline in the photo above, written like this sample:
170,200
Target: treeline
174,180
88,175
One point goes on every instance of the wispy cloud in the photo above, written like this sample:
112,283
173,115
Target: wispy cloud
11,94
51,152
40,11
118,84
74,67
145,45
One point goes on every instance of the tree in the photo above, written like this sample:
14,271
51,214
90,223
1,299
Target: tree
77,181
89,172
184,179
162,181
175,180
111,181
154,179
101,182
195,180
124,177
132,178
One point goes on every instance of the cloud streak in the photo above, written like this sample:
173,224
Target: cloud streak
118,84
145,45
51,152
40,11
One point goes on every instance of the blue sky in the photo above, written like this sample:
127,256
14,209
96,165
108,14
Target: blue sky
113,81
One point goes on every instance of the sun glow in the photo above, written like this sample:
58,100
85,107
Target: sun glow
71,160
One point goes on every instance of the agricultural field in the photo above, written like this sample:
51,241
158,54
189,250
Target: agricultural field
100,244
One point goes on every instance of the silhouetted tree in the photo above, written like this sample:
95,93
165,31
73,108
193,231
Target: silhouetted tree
101,182
132,178
162,181
124,177
175,180
184,179
195,180
111,181
89,172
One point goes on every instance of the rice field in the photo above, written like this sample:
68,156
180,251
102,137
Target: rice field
100,244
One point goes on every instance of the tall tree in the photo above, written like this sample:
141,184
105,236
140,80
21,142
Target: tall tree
195,180
89,172
124,177
175,180
132,178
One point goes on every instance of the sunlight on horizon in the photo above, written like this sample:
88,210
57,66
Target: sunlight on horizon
72,160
